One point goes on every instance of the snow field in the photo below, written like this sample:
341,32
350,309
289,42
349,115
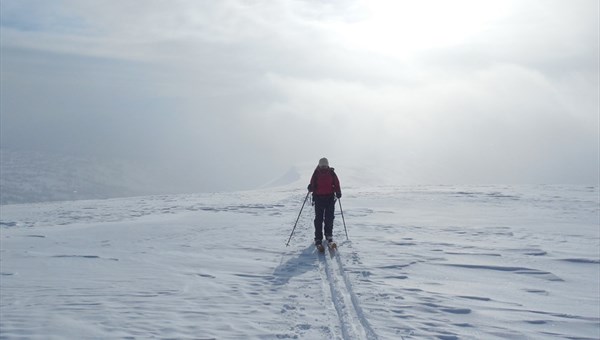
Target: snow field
435,262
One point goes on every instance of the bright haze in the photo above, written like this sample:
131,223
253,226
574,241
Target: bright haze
226,95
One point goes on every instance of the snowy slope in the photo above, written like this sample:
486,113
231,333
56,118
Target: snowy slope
422,262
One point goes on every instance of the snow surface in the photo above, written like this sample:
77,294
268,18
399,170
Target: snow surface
422,262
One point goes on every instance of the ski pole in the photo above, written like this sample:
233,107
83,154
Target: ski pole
343,219
295,224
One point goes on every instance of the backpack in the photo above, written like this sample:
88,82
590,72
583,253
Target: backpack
324,182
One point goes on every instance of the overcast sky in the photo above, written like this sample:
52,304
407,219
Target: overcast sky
225,94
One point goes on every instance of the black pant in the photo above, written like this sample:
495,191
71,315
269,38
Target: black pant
324,210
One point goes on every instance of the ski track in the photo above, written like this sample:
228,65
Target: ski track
329,297
352,322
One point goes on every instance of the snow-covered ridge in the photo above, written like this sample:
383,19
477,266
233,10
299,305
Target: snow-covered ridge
447,262
298,176
28,177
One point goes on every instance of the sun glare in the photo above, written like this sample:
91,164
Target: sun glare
399,28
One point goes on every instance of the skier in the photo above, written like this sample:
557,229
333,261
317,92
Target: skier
325,187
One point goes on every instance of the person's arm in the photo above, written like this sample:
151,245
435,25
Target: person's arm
312,185
336,186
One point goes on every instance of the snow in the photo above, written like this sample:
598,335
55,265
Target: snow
422,262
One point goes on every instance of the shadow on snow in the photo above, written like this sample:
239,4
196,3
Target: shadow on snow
295,266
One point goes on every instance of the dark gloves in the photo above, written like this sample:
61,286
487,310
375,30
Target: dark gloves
310,188
338,194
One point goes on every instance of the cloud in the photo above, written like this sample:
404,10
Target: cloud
503,124
199,88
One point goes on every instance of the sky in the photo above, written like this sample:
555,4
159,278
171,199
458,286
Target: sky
230,94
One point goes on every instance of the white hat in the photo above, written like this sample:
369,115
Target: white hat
323,162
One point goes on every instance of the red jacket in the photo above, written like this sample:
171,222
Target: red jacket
324,182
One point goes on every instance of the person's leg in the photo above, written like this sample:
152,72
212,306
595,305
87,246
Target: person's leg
319,213
329,216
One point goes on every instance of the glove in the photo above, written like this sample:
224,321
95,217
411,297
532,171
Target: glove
309,188
338,194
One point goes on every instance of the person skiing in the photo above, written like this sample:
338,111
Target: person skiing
325,186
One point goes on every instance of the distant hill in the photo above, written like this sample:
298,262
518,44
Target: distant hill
290,177
350,176
28,177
